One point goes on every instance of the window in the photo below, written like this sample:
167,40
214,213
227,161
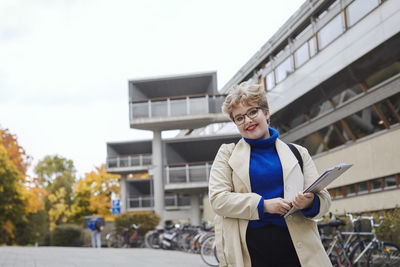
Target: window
376,185
358,9
351,190
312,43
284,69
362,188
331,31
270,80
301,55
306,29
389,182
338,192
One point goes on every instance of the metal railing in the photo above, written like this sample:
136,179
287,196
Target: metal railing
176,106
148,201
129,161
188,173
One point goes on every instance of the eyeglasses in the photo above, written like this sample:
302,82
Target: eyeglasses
251,114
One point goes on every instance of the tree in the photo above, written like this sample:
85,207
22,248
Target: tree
57,176
92,194
19,196
15,152
52,167
12,208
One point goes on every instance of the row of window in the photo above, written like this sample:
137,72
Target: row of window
372,119
375,185
321,39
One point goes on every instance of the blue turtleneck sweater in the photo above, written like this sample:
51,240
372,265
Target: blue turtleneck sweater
266,179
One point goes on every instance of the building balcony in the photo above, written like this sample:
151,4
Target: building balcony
147,202
178,112
128,163
187,178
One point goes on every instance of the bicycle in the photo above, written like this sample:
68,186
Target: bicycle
208,251
114,239
125,239
334,246
374,252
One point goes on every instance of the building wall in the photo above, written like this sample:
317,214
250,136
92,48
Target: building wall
368,202
375,156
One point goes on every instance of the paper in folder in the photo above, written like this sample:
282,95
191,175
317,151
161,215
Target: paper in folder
324,180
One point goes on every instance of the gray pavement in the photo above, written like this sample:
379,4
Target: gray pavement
91,257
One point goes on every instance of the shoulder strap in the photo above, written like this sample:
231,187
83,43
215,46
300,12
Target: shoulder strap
297,154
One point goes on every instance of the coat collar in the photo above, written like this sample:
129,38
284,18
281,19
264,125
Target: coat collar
240,160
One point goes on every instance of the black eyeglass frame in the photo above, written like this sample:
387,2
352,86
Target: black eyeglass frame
246,114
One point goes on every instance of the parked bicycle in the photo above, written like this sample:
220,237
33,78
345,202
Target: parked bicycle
128,237
208,251
360,247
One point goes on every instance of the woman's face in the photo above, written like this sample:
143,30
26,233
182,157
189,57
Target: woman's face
251,128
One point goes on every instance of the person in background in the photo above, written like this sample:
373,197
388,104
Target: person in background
95,226
254,183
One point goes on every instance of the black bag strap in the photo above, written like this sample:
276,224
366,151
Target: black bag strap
297,154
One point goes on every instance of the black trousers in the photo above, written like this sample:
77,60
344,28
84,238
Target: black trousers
271,246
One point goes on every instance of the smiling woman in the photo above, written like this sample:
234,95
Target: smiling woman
254,182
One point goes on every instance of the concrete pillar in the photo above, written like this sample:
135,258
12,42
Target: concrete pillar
158,181
195,206
124,195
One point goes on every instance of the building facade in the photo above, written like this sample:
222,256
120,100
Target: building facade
332,76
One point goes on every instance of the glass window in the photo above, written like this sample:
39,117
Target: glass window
376,185
306,29
358,9
284,69
362,188
351,190
390,181
338,192
331,31
270,80
301,55
382,75
312,43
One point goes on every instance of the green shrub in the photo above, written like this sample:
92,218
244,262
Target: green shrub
390,229
68,235
147,220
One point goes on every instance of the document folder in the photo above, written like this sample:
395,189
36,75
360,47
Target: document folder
324,180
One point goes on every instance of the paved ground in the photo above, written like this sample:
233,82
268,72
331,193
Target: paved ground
91,257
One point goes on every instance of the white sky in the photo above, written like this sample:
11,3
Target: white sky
65,64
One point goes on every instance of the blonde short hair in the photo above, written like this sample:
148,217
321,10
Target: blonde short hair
245,94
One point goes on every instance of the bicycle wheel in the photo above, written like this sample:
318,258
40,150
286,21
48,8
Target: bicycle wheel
114,240
152,240
208,251
338,257
387,255
356,255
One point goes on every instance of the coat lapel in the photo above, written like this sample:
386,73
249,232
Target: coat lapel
240,162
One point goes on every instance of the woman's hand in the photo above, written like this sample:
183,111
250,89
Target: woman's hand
302,201
276,205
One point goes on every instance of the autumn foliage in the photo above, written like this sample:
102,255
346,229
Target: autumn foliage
32,207
92,194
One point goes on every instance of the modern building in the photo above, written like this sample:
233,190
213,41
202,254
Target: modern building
332,76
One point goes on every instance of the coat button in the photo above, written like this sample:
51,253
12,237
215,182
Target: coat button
287,188
299,244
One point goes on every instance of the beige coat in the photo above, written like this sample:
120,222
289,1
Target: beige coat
234,203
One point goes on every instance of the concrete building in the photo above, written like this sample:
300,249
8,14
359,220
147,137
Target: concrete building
332,76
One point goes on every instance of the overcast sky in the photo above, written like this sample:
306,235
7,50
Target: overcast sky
65,64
